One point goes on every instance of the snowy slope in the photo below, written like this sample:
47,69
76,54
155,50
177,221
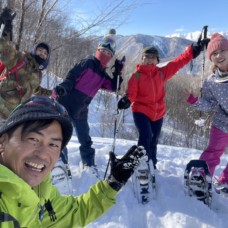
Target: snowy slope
170,209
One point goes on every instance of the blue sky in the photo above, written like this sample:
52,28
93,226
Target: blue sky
167,16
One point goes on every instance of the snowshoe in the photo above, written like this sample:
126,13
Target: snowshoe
61,177
143,178
152,173
197,181
92,170
221,188
144,182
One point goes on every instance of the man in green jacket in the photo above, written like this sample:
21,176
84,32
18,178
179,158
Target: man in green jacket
30,144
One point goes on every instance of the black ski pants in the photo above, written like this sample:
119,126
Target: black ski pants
149,132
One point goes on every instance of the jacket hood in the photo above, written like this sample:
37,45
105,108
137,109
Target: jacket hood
43,63
146,68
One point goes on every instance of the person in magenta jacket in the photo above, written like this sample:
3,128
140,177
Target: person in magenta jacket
78,89
146,93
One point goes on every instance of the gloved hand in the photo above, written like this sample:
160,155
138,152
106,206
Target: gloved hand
192,99
198,46
60,91
124,102
6,18
7,15
118,67
122,169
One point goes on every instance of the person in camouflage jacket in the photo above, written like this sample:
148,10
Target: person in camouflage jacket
16,86
20,72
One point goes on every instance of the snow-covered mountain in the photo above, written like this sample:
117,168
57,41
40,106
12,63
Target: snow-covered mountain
189,36
168,48
195,35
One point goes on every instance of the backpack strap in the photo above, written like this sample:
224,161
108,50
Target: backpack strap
162,74
137,75
4,217
15,68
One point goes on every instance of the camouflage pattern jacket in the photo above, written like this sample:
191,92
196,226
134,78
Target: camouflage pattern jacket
20,85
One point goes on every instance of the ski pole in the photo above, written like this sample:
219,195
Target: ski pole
204,59
200,122
116,127
2,29
204,32
116,130
119,64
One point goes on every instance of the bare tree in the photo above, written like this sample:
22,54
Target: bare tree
20,23
45,9
107,14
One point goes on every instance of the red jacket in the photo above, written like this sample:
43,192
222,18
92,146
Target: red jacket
146,89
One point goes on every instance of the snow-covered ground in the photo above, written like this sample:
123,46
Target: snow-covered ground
171,208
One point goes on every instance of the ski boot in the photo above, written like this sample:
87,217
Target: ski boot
198,182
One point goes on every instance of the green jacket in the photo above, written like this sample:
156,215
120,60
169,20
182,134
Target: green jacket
22,202
14,89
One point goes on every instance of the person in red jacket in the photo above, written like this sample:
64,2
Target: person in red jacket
146,93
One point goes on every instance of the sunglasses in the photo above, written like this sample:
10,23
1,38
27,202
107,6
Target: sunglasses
50,103
108,43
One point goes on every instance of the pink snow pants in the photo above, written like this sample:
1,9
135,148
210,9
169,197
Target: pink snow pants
217,146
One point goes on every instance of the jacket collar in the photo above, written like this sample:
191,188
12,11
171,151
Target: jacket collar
17,189
146,68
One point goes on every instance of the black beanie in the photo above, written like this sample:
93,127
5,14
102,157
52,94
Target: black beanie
150,50
44,46
29,111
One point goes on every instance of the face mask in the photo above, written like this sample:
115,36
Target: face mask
39,60
103,58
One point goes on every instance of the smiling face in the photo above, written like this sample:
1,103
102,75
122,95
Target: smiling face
32,155
42,53
220,59
150,59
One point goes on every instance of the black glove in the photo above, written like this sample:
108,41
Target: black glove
60,91
6,18
198,46
118,67
122,169
124,102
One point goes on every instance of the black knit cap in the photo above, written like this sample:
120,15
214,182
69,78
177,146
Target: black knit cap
149,51
44,46
30,110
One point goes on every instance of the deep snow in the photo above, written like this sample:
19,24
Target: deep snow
171,208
